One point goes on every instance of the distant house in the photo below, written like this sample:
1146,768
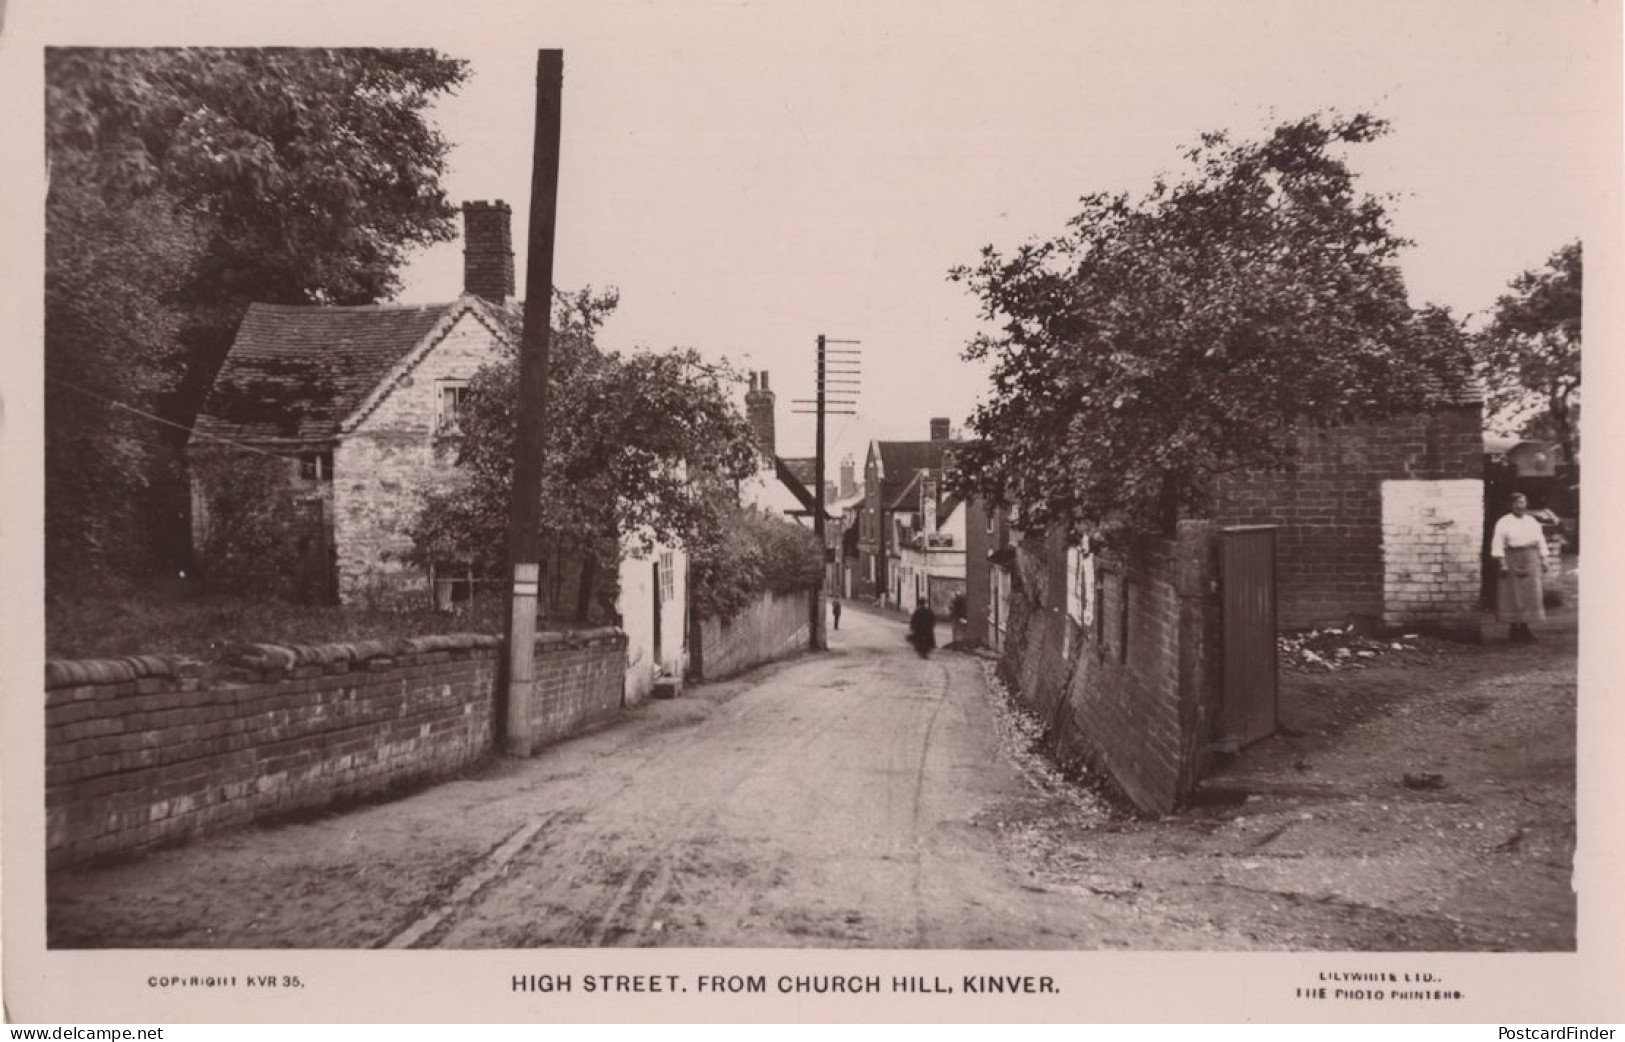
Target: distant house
782,485
930,559
356,399
895,474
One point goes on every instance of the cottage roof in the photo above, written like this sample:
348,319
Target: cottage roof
786,473
906,496
904,457
805,468
295,373
900,464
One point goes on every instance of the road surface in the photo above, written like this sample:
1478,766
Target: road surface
859,798
864,798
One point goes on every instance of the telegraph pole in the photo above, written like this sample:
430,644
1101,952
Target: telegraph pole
845,364
530,434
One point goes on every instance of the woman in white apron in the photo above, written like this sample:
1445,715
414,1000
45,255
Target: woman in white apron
1519,547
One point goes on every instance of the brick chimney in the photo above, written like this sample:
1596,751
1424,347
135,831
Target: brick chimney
488,250
849,481
759,414
939,428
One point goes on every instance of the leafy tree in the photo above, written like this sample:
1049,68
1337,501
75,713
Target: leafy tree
184,185
743,551
641,448
112,479
1530,353
1164,340
253,541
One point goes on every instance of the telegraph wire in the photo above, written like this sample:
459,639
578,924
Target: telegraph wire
194,432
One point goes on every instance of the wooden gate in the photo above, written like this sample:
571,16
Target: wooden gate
1247,582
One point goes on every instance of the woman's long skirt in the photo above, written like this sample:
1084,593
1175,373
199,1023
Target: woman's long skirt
1518,591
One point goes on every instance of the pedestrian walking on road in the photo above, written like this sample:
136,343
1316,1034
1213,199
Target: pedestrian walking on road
1519,547
922,630
835,610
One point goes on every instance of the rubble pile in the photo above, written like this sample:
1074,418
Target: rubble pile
1328,650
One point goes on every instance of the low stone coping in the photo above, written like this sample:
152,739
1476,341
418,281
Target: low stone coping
580,638
79,672
273,658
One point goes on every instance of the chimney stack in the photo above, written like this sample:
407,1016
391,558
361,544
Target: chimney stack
939,428
488,250
849,482
759,414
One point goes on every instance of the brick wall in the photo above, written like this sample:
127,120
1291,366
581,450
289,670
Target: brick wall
1330,565
1131,693
773,626
382,468
978,577
580,678
145,750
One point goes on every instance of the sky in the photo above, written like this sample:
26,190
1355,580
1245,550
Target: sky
752,175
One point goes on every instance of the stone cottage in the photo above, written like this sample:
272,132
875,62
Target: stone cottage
354,400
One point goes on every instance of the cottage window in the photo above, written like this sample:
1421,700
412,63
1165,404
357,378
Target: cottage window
668,588
453,583
316,466
452,397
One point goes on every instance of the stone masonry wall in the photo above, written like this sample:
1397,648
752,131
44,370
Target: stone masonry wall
774,626
146,751
382,469
1432,532
1330,567
1131,694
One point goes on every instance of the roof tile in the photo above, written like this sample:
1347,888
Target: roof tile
294,372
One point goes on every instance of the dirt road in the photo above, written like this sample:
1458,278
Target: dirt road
864,798
848,799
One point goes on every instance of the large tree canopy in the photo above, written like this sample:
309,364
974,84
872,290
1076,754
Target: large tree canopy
1164,340
640,447
184,185
1530,352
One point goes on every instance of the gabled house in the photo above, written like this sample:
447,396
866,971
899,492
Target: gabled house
894,474
357,404
356,400
930,561
783,484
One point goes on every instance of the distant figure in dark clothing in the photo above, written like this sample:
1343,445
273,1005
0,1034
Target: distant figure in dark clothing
835,609
922,630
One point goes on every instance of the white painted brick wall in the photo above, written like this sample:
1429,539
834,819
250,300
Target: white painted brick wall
1432,536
